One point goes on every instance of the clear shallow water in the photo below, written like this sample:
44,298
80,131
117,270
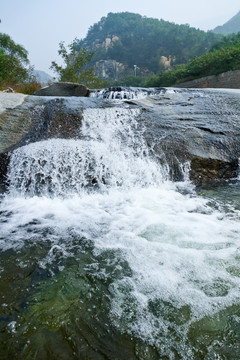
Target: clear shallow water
112,260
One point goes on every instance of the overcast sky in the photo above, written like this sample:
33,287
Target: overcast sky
39,25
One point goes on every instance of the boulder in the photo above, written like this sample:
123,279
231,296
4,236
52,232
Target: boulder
8,90
63,89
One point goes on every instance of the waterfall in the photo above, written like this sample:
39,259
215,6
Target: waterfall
131,93
111,152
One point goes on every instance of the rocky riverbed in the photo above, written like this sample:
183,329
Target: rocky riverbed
102,255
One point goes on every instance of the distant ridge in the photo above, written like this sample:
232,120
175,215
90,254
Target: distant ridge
42,77
231,26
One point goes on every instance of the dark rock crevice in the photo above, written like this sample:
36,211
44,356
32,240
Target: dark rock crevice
211,131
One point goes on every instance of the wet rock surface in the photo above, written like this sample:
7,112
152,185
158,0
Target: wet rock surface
38,118
199,126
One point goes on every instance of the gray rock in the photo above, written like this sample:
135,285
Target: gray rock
196,126
63,89
8,90
10,101
110,69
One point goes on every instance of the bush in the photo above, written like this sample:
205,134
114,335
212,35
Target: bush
27,87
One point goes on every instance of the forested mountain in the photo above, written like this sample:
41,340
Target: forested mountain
122,40
231,26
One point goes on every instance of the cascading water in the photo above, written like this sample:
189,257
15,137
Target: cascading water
125,93
105,258
111,153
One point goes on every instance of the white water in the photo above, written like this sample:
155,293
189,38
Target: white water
111,153
180,249
121,94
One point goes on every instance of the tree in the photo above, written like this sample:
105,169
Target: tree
13,61
74,69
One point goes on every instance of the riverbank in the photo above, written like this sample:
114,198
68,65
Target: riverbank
227,80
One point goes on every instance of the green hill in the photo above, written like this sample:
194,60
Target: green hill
224,56
122,40
231,26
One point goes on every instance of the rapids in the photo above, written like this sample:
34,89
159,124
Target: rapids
104,257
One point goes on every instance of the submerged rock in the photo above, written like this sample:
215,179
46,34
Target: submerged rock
63,89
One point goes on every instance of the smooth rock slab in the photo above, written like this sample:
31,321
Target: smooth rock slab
10,100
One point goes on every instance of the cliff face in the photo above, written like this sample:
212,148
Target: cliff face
106,43
109,69
227,80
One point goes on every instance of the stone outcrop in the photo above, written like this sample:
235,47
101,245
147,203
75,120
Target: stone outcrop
63,89
167,62
109,69
227,80
109,41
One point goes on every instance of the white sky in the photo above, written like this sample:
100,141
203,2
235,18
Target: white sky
39,25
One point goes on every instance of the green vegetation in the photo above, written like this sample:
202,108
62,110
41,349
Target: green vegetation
134,39
13,62
220,59
130,80
232,39
27,87
75,62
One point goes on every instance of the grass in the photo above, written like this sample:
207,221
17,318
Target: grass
27,88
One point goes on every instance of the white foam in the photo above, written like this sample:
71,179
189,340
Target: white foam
178,248
123,94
